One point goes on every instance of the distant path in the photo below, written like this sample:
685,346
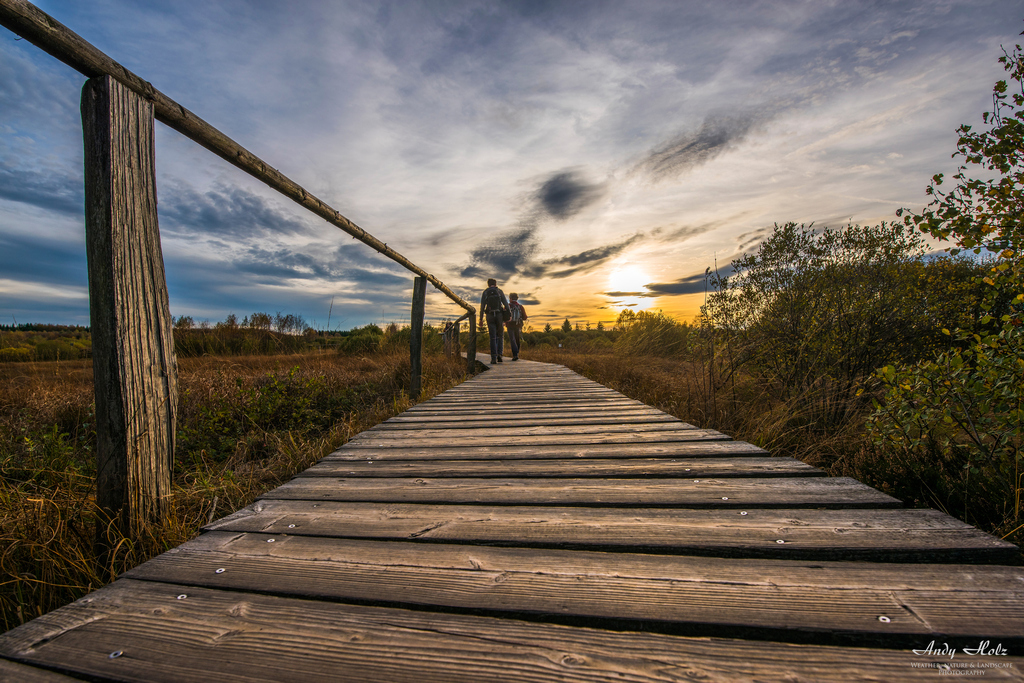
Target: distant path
532,525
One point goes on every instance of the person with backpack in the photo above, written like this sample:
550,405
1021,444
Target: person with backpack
494,307
515,324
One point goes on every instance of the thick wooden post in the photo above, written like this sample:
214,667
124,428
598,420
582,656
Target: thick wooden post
471,345
419,298
133,350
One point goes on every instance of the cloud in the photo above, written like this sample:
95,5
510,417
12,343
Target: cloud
54,261
629,295
346,263
686,151
502,256
565,194
748,240
226,211
561,196
529,300
53,191
685,232
584,261
689,285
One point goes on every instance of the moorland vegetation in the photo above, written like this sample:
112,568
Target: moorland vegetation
246,423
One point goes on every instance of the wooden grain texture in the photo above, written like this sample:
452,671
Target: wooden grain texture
132,345
12,672
234,638
766,492
711,445
881,535
824,603
589,467
521,433
370,439
512,421
553,413
534,407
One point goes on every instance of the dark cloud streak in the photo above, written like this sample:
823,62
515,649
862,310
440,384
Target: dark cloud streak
689,150
503,256
584,261
565,194
692,284
226,211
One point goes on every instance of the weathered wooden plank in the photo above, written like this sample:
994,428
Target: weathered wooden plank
826,603
534,408
543,400
11,672
714,445
553,412
510,388
513,421
469,433
371,439
562,388
528,402
589,467
826,492
235,638
881,535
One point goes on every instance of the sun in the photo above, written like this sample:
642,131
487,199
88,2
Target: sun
626,285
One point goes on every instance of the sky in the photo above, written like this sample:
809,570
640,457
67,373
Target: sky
592,156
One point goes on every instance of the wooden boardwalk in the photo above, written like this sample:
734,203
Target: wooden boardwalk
531,525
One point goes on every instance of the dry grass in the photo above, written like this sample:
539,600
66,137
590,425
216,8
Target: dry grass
278,415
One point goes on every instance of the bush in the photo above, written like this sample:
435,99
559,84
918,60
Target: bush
964,410
362,340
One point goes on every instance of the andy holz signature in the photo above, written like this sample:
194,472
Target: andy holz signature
984,648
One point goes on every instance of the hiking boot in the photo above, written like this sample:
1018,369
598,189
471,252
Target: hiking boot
515,357
493,360
499,359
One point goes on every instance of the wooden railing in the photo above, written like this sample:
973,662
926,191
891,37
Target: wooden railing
133,350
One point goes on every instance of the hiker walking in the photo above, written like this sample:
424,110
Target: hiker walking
515,324
494,306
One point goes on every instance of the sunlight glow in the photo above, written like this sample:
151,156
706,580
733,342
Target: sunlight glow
626,285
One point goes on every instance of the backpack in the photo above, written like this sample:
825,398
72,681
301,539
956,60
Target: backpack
492,300
517,312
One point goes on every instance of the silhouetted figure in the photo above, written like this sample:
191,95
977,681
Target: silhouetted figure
494,306
515,324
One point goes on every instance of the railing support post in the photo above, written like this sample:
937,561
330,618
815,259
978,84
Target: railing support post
471,345
419,297
132,345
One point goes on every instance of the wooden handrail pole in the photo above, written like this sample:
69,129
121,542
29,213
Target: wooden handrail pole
471,346
419,296
132,343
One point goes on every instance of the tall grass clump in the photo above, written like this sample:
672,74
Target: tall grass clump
245,425
645,333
